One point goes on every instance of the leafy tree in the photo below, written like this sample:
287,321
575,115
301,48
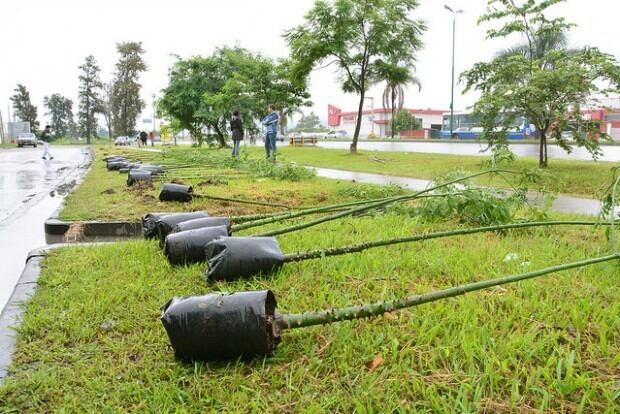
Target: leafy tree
105,107
60,110
126,102
549,87
395,77
308,122
204,91
89,97
405,121
357,36
23,107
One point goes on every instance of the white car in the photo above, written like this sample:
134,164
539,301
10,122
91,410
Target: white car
122,140
26,138
336,134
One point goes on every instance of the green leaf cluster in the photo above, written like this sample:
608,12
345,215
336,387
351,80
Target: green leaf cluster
203,92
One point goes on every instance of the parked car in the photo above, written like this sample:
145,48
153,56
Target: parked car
26,138
336,134
123,140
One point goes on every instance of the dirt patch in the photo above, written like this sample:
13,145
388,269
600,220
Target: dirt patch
75,233
177,181
212,181
109,191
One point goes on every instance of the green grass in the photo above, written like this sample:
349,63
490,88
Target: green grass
586,178
549,344
104,195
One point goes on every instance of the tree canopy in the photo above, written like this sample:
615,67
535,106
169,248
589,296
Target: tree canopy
358,37
203,92
545,86
405,121
23,107
126,102
89,97
60,111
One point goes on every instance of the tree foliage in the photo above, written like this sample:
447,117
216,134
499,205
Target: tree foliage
126,102
359,37
105,107
89,97
203,92
23,107
308,123
396,78
405,121
60,111
549,87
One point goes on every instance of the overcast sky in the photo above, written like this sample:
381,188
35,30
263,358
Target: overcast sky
42,42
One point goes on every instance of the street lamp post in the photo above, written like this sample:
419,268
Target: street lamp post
454,13
372,113
154,126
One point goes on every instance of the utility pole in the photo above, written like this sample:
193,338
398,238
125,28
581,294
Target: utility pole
454,13
372,114
154,126
2,136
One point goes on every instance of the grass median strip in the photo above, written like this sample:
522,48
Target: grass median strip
91,339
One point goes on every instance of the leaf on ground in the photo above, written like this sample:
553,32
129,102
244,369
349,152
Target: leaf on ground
375,362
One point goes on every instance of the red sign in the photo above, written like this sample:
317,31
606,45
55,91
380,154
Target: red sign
333,116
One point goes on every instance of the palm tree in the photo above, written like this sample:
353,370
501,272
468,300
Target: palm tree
396,78
539,46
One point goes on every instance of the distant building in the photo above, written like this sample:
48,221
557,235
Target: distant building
378,120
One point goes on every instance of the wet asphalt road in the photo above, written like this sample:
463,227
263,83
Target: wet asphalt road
31,189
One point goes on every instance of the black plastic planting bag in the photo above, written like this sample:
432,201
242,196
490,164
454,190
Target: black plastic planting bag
154,169
188,246
117,165
149,224
166,223
200,223
231,258
222,326
136,176
176,192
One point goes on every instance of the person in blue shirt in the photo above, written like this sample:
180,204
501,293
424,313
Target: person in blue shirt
271,122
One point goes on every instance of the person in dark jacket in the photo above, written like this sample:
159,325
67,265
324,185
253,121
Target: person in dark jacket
143,137
236,128
46,136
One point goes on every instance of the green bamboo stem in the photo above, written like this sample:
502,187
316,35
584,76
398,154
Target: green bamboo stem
314,210
240,201
291,321
612,229
336,251
250,217
374,205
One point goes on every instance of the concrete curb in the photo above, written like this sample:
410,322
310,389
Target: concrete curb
57,227
13,311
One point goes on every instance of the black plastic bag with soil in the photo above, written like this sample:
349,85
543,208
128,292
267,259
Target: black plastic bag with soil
230,258
153,169
136,176
200,223
149,224
117,165
176,192
188,246
221,326
165,224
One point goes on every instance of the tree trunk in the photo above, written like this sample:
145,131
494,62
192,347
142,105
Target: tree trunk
393,112
542,156
220,136
358,123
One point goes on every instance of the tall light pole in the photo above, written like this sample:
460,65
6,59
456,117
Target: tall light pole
372,113
454,13
154,128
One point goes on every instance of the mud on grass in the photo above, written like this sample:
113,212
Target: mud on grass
104,194
91,340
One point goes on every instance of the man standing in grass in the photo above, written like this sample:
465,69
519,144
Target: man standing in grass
271,122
